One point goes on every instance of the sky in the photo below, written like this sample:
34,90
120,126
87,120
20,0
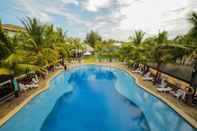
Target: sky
116,19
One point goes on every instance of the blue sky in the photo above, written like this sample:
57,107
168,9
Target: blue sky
111,18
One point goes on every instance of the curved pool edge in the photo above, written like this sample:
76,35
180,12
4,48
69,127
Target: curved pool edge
185,116
182,114
26,101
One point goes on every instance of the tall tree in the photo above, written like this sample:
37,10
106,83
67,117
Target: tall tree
92,37
137,37
162,37
40,42
15,61
193,20
193,33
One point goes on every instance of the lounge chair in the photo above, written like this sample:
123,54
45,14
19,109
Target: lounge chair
166,89
163,84
141,72
34,80
147,77
179,94
136,71
32,85
23,87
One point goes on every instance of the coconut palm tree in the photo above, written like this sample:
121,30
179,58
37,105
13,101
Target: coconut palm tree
14,61
137,37
39,43
193,21
162,38
193,33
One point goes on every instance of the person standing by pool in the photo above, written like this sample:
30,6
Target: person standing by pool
65,67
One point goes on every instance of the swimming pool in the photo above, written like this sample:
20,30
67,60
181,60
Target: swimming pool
95,98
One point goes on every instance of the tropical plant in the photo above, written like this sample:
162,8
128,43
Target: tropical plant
92,37
193,30
15,60
40,42
137,37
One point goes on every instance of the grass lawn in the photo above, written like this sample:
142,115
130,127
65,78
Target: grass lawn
89,59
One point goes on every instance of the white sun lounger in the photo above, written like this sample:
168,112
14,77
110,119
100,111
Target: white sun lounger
179,94
136,71
163,84
32,85
141,72
35,81
166,89
147,77
23,87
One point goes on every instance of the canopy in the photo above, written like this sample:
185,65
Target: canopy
87,53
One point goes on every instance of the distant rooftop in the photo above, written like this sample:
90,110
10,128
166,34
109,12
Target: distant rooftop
13,28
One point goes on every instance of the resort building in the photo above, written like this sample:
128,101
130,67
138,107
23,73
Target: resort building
88,50
12,29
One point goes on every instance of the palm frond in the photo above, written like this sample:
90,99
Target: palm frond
25,68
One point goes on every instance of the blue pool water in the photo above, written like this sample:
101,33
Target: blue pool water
95,98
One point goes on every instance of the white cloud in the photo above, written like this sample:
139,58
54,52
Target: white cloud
95,5
33,11
125,15
149,15
70,2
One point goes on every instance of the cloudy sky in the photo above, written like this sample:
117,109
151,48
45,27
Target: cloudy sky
111,18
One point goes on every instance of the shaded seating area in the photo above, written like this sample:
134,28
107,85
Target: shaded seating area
6,91
10,87
164,85
13,87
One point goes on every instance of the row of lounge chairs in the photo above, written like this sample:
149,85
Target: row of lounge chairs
163,85
32,81
24,86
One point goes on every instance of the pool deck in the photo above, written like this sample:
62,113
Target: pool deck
9,109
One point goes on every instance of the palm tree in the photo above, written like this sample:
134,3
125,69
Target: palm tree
137,37
5,43
39,43
193,33
193,21
162,38
15,60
